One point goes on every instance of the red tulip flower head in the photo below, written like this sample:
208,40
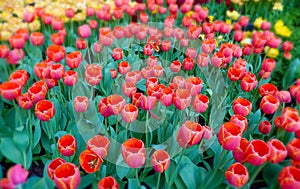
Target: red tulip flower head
89,161
44,110
160,161
289,178
67,145
237,175
66,175
99,144
134,152
230,136
108,183
190,133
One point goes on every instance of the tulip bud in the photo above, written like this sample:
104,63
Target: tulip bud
134,152
237,175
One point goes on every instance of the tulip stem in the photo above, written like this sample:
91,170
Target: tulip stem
146,129
177,167
158,181
257,170
18,113
137,177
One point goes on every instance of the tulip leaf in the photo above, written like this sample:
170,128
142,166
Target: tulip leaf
86,180
10,150
290,75
271,172
122,171
21,140
36,134
133,183
35,183
106,81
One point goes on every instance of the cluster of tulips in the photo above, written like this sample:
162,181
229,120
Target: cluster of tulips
172,76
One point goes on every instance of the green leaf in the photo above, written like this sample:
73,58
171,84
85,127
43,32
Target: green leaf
10,150
35,183
290,74
122,171
271,172
106,81
86,181
21,140
133,183
36,134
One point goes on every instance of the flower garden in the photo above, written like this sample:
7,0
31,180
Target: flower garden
197,94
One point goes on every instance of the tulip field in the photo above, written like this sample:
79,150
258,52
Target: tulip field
195,94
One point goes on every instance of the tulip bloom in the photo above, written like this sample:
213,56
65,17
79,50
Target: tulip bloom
99,144
202,59
175,66
148,102
148,49
278,151
70,78
67,145
90,161
37,38
208,45
284,96
16,41
200,103
248,82
257,152
182,99
81,44
160,161
237,175
268,65
124,67
53,166
117,53
57,38
16,176
293,149
129,113
81,103
240,121
241,106
10,90
188,64
265,127
93,74
74,59
84,31
289,178
108,183
269,104
267,89
134,152
56,71
194,85
24,101
115,103
56,53
190,133
37,93
289,120
229,136
44,110
238,153
66,175
103,107
4,50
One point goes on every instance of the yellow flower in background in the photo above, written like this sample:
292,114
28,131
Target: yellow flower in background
278,6
79,16
257,23
246,41
281,29
271,52
5,35
211,18
240,2
234,15
34,26
248,34
189,14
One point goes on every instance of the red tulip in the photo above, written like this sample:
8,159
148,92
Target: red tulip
264,127
56,53
238,153
267,89
66,175
148,49
248,82
128,88
108,183
190,133
289,120
84,31
53,166
81,44
115,103
37,93
229,136
57,38
16,41
240,121
241,106
103,107
194,85
10,90
70,78
284,96
57,23
166,97
74,59
175,66
19,76
218,59
160,161
208,45
124,67
188,64
67,145
278,151
69,12
24,101
44,110
133,152
14,56
47,18
117,53
257,152
90,161
268,65
237,175
129,113
4,50
289,178
202,59
99,144
81,103
293,149
93,74
56,71
182,99
37,38
166,45
200,103
269,104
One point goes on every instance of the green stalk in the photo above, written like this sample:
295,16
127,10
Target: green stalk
137,177
146,128
257,170
158,180
176,169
